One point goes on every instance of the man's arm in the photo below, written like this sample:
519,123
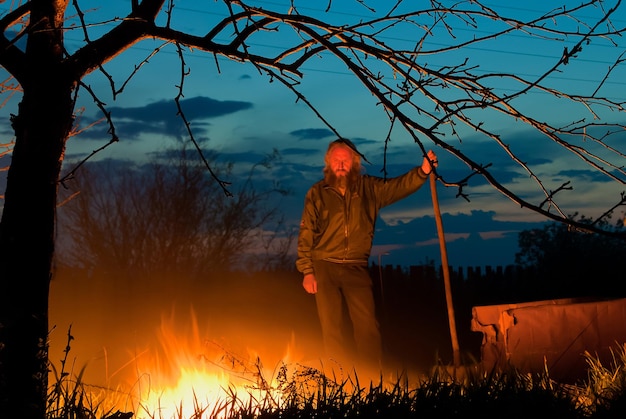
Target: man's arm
395,189
304,262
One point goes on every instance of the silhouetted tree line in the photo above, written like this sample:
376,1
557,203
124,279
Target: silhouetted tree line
554,261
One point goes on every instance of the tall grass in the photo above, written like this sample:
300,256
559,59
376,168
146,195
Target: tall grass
70,398
308,393
604,394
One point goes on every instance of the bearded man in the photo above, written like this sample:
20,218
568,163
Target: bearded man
334,245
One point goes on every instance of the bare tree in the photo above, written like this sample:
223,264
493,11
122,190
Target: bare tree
169,216
430,103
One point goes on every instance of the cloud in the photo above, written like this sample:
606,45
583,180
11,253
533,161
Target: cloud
298,151
162,117
360,141
240,157
199,107
587,175
312,133
475,239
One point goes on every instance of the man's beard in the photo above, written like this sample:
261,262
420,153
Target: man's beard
341,182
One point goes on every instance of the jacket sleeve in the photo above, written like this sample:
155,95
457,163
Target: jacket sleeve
304,262
391,190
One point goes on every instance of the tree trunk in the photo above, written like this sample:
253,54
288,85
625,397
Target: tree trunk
27,248
42,126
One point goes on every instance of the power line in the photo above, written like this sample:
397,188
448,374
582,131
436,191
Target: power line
460,29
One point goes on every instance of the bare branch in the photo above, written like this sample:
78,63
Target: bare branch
114,138
617,62
181,113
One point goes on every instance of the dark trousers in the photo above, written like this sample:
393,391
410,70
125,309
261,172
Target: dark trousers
350,282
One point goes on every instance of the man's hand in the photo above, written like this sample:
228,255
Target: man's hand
429,162
310,283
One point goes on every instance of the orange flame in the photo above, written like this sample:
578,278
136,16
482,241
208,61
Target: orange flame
191,374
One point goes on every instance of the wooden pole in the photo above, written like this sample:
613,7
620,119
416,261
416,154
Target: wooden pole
456,353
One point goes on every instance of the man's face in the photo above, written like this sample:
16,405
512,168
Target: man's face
340,159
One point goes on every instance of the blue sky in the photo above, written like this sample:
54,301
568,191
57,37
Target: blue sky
243,116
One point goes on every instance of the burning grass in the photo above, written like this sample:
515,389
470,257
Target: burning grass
298,391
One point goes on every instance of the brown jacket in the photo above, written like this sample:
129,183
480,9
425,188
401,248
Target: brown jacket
340,228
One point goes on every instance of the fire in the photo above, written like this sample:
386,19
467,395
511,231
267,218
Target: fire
194,391
190,373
